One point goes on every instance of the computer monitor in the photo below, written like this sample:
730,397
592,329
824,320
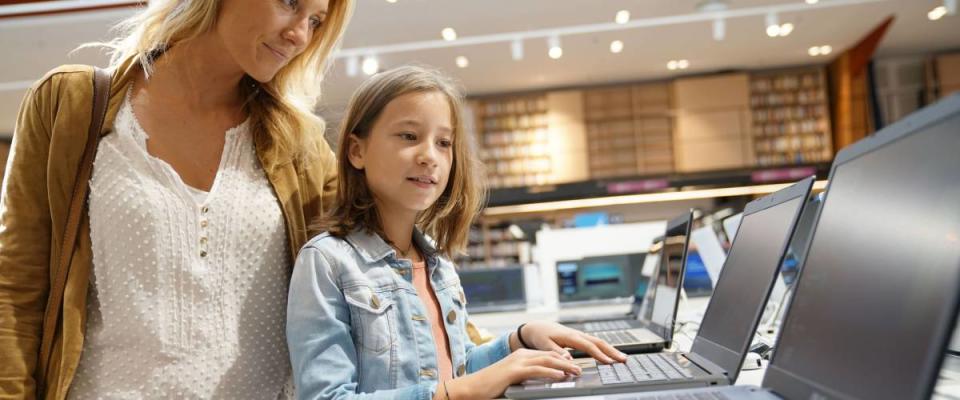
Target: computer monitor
665,287
879,287
598,278
493,289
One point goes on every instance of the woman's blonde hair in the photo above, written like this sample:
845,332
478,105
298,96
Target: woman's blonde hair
281,110
448,220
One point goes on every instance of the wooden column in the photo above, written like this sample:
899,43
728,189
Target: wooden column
850,91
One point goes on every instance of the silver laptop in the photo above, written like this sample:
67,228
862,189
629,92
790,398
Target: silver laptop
879,289
728,323
650,326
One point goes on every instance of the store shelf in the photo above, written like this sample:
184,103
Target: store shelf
791,121
653,183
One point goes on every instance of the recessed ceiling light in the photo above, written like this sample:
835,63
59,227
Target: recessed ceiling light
683,64
824,50
462,62
813,1
937,13
814,51
448,34
623,16
391,1
616,46
785,29
672,65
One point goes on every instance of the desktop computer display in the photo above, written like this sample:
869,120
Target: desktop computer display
493,289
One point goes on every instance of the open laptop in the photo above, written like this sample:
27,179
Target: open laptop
650,328
494,289
879,288
600,279
728,323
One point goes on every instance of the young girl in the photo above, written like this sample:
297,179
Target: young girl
375,306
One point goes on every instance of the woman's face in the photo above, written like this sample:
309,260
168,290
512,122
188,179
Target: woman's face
263,36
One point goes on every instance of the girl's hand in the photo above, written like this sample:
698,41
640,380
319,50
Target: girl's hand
555,337
519,366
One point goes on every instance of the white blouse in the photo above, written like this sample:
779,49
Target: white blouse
188,291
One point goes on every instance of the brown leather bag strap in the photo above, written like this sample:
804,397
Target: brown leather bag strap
101,95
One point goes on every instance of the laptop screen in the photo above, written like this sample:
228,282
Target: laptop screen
668,280
600,277
489,289
744,284
879,280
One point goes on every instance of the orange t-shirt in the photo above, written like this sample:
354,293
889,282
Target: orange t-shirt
429,299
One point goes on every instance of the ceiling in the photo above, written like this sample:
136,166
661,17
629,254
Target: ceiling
33,45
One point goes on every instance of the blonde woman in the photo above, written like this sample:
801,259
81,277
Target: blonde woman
209,166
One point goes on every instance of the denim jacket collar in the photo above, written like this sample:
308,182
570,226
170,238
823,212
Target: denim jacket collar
372,248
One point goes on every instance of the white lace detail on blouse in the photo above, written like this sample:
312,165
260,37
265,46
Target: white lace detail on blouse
188,289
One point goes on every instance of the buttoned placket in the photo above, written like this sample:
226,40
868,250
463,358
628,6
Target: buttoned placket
204,234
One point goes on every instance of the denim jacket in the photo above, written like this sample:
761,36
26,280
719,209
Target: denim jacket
357,329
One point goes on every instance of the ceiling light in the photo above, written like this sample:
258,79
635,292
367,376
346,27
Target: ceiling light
785,29
448,34
616,46
937,13
353,66
824,50
370,65
623,16
772,19
813,1
773,30
683,64
719,29
516,49
462,62
672,65
555,52
814,51
391,1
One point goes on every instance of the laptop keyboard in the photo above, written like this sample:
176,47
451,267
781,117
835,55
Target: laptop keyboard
642,368
606,326
617,337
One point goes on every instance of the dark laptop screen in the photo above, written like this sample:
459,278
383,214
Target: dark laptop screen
669,278
879,276
747,277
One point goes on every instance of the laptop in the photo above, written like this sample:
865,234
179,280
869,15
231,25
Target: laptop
728,324
494,289
600,279
650,328
878,292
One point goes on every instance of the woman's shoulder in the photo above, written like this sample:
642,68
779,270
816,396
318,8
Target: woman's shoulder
66,76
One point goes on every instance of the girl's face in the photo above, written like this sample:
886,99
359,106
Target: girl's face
408,153
262,36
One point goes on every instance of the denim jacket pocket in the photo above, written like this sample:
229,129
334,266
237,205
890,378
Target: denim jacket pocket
373,319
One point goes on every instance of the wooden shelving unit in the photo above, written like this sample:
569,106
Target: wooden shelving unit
628,130
514,137
791,118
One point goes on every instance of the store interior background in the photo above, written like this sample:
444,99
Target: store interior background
653,107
